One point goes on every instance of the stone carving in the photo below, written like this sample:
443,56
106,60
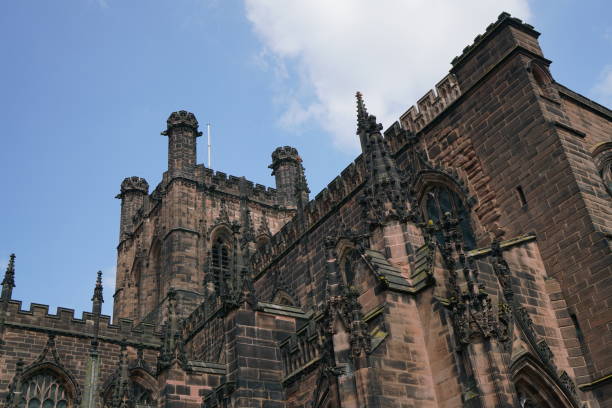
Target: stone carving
173,347
133,184
471,310
383,198
182,119
8,283
22,389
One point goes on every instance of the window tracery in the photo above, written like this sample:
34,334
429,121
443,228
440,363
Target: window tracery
220,261
440,200
44,390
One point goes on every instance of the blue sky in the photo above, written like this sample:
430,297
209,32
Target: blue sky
88,84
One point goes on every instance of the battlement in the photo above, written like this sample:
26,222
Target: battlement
284,153
431,104
134,183
236,185
38,318
502,19
325,202
182,118
467,69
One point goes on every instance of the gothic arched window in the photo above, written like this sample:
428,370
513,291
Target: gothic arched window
221,251
535,388
44,390
440,200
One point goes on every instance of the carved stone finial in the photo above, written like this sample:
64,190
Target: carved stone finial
365,121
8,283
362,112
97,295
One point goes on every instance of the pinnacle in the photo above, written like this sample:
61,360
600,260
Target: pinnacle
362,112
11,264
97,296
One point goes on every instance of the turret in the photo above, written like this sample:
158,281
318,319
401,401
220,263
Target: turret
133,193
182,132
290,180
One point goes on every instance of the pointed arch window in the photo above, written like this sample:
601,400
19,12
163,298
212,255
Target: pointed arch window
439,200
221,252
44,390
535,388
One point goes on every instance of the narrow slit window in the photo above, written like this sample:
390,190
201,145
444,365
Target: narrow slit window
521,196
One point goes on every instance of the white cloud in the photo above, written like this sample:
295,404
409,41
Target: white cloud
603,89
391,50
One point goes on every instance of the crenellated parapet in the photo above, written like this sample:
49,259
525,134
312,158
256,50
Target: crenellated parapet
237,186
63,322
133,184
431,104
503,18
472,64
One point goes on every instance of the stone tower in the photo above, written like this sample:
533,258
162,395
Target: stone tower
462,260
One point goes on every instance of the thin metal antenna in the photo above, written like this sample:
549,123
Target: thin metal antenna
209,146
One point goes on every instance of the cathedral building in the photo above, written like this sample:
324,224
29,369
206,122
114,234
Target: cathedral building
462,260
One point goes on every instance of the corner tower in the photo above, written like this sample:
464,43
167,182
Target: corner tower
133,193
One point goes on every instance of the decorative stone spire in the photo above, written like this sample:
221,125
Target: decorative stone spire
384,198
362,113
97,298
9,279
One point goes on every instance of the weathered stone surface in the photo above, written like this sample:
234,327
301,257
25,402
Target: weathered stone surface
374,293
